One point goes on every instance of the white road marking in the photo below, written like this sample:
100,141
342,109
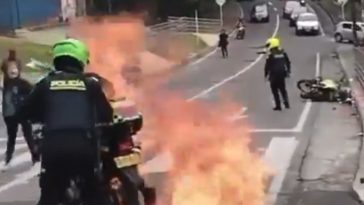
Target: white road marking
224,81
278,156
18,160
275,9
303,117
17,147
318,65
18,139
203,58
22,178
276,29
245,69
270,3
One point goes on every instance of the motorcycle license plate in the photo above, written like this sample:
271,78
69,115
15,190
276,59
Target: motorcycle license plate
127,161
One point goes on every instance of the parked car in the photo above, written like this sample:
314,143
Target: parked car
289,7
307,23
259,13
295,13
344,31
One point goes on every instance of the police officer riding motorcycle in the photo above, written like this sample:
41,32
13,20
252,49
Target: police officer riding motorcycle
68,104
240,34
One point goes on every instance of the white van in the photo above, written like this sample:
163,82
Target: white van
289,7
259,13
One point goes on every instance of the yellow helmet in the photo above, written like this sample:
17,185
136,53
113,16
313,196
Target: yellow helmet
273,43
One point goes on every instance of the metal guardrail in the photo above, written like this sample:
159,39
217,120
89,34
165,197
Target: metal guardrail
187,25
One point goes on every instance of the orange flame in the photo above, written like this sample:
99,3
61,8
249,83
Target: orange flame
212,162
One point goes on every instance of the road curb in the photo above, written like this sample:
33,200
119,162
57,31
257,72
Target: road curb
358,98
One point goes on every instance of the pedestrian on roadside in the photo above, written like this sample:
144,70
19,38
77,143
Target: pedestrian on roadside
12,58
277,69
223,43
14,93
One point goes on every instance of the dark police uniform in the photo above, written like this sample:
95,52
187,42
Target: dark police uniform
277,68
69,105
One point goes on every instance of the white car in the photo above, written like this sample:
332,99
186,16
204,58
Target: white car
344,31
295,13
289,7
307,23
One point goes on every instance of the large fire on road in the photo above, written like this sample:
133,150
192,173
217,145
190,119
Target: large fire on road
212,162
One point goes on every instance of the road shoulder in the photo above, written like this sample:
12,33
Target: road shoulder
331,155
346,57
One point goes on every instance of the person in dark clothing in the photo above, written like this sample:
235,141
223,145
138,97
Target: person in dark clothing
14,93
69,105
277,69
9,61
223,43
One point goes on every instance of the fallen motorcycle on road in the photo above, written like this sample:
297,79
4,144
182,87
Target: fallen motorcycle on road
325,90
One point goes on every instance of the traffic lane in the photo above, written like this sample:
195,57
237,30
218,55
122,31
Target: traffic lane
194,78
257,96
251,90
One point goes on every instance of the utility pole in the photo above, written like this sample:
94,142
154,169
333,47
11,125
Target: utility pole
353,17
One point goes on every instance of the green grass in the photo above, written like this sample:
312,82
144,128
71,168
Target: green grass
25,51
194,42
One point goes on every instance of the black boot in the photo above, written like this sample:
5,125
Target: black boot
286,104
277,108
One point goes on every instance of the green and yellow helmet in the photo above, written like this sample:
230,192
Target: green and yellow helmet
72,48
273,43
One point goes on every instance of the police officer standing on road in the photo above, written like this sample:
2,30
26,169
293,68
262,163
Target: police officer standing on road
277,69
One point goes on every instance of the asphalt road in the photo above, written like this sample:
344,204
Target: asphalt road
276,134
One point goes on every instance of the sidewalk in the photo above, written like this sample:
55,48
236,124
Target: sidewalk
347,60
